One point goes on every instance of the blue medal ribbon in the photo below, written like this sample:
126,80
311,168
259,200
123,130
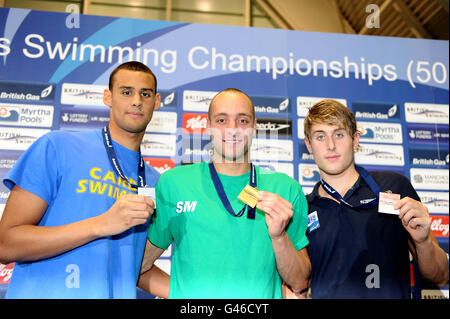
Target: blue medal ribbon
109,147
367,178
223,197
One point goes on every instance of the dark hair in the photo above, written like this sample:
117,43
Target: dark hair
131,66
231,90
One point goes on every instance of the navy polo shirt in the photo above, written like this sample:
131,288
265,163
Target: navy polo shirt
359,253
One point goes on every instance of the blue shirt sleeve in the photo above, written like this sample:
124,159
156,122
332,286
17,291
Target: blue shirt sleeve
36,170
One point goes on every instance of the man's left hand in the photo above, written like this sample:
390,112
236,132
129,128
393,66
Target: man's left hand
278,212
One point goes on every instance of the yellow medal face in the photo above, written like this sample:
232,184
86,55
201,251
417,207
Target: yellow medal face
249,195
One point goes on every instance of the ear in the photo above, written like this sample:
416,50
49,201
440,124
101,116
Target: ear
254,127
356,140
107,98
308,145
208,126
157,101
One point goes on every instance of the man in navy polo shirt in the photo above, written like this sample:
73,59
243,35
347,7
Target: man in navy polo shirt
356,251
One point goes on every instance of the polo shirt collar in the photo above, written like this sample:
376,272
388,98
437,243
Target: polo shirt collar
359,183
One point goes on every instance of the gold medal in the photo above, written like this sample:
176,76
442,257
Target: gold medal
249,195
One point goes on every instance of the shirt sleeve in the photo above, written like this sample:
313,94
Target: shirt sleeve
159,232
297,228
410,191
37,170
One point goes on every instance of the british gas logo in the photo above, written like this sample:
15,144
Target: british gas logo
26,92
384,111
271,104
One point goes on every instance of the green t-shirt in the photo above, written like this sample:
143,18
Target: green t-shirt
217,255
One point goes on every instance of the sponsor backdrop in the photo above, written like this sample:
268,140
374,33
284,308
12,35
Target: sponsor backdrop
55,66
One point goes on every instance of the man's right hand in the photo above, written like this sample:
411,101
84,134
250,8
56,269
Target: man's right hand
128,211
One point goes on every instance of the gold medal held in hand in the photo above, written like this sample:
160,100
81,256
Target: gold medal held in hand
249,195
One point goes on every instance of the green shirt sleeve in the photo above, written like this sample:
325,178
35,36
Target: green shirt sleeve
159,232
297,228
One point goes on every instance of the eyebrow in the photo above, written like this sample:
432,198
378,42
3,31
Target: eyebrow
133,88
322,131
226,114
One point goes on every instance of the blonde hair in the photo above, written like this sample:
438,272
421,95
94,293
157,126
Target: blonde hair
330,112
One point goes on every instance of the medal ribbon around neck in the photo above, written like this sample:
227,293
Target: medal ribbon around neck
367,178
109,147
223,197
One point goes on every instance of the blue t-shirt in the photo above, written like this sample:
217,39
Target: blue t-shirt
72,173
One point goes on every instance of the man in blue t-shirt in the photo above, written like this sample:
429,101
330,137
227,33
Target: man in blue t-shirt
355,250
73,222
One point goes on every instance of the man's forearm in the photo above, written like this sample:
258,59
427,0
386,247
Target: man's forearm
30,242
155,281
293,266
432,262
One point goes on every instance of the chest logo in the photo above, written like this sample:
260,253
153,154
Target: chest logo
186,206
313,221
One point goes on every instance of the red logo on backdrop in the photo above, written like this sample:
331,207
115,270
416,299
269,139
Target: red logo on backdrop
6,272
439,225
160,164
195,123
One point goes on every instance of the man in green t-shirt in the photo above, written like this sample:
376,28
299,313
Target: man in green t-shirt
222,248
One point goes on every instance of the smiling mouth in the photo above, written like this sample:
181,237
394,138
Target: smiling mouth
232,141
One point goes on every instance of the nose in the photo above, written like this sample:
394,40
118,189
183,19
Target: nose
231,128
137,100
330,144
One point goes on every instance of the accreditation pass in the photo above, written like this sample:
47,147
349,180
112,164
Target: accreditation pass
148,192
386,203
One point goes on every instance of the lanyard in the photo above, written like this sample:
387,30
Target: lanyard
223,196
109,147
367,178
